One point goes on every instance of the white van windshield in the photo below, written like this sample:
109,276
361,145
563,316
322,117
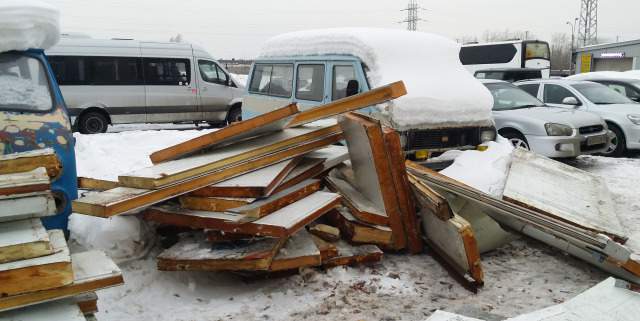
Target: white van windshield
23,84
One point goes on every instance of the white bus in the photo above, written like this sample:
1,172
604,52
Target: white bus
532,54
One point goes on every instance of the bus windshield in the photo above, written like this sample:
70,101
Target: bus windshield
537,50
23,84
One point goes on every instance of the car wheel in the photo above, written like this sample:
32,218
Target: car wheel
618,143
93,123
517,140
234,115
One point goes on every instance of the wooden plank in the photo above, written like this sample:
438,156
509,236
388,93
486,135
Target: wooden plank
327,250
260,125
92,271
351,103
177,170
403,190
33,181
279,200
360,206
96,184
372,170
196,254
121,200
64,310
325,232
214,204
22,240
354,254
214,236
41,273
333,155
28,161
88,303
176,216
26,206
430,200
307,168
256,184
300,251
358,232
532,183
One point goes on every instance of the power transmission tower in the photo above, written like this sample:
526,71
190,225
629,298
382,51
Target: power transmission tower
412,15
588,27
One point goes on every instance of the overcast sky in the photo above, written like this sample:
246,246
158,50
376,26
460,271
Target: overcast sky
237,28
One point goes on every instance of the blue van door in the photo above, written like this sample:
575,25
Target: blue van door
311,87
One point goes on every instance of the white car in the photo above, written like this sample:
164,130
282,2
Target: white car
550,131
621,114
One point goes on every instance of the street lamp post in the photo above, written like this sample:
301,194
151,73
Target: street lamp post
573,37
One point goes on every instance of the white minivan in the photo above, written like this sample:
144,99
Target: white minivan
120,81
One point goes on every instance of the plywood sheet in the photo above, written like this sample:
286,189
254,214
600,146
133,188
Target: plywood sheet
263,124
181,169
41,273
26,206
96,184
333,155
360,206
23,239
66,310
279,200
176,216
299,251
307,168
33,181
92,270
195,253
214,204
582,199
356,231
28,161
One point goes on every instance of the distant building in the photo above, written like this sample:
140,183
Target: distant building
619,56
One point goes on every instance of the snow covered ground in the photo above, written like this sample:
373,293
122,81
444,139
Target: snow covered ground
520,277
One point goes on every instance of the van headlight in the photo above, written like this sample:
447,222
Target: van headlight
487,135
634,118
558,129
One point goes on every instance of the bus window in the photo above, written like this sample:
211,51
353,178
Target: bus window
489,54
537,50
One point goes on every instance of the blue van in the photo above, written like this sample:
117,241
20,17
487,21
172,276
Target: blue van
33,116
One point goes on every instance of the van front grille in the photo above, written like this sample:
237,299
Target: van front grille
440,139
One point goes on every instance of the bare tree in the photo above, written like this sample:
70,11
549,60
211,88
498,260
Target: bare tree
177,38
493,35
561,51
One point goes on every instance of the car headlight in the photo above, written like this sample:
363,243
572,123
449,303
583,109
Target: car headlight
558,129
634,118
487,135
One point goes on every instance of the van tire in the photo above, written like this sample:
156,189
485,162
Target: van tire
93,122
234,115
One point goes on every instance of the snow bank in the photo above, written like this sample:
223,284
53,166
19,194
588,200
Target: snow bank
28,24
440,90
121,237
633,74
486,171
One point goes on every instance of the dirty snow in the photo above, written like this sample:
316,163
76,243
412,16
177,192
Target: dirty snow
28,24
439,89
521,277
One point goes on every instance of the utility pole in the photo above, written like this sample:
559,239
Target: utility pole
588,28
412,15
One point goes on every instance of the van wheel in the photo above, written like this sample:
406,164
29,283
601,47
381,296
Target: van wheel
93,123
234,115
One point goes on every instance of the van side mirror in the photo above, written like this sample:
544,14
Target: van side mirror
570,101
353,88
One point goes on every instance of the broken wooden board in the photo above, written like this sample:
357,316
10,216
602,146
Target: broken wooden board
63,310
214,204
214,236
582,199
430,200
41,273
333,155
22,240
307,168
170,172
278,200
359,205
196,254
96,184
256,184
28,161
372,170
25,206
121,200
300,251
176,216
33,181
403,190
325,232
88,303
260,125
353,254
327,249
92,271
359,232
351,103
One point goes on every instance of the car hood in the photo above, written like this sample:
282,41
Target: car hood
620,108
571,117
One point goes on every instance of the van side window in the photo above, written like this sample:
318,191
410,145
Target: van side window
167,71
113,70
310,83
210,72
272,79
69,70
341,77
555,94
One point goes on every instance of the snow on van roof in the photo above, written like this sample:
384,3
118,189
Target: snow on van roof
440,90
28,24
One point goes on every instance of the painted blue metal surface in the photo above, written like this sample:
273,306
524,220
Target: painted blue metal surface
30,130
